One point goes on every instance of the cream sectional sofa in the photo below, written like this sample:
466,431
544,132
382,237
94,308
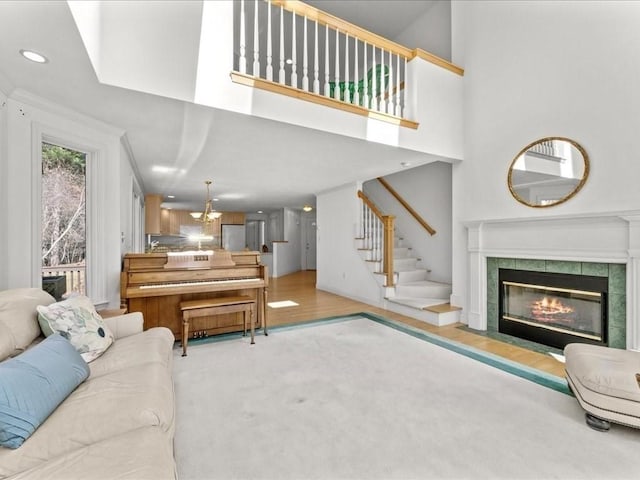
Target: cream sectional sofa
118,423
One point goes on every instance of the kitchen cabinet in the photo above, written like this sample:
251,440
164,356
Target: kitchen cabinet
152,214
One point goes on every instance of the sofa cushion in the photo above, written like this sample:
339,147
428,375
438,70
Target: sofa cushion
145,453
151,346
18,314
33,384
7,341
77,320
99,409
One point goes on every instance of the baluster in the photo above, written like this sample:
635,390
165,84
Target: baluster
336,89
347,90
327,91
242,65
356,86
269,52
377,248
305,78
383,83
405,104
281,77
294,75
316,82
374,81
256,42
365,80
397,110
391,105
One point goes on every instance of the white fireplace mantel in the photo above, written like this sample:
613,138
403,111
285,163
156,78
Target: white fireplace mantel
600,237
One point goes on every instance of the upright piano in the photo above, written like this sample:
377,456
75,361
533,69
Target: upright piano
156,283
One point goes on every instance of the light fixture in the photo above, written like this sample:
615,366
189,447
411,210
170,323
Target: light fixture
307,208
209,214
33,56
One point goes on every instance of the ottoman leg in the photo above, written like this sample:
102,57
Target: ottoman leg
596,423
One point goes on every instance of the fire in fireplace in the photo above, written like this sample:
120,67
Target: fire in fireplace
553,309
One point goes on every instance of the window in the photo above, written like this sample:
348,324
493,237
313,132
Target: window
63,223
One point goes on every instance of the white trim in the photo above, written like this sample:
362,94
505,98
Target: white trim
96,165
4,199
138,183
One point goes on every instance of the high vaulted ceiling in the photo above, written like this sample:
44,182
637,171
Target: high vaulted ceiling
256,164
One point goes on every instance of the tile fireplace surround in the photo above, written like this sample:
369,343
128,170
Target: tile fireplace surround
599,244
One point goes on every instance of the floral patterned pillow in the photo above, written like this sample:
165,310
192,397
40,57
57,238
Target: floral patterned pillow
76,319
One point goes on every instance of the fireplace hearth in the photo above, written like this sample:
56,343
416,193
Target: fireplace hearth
553,309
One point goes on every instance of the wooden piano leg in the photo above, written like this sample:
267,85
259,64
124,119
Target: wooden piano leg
252,320
264,310
185,334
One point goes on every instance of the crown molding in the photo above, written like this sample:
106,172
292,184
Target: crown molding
24,96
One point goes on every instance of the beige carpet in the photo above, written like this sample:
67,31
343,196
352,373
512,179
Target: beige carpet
356,399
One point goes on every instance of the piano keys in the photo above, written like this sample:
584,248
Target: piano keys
156,283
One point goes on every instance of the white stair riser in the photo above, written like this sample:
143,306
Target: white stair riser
438,319
411,276
425,291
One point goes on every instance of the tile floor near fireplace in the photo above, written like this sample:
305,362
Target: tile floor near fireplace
615,281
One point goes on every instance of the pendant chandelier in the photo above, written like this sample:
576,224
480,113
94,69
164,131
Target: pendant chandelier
209,214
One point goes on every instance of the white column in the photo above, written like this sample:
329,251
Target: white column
633,283
477,275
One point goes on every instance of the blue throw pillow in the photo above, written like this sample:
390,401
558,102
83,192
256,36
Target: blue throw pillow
34,383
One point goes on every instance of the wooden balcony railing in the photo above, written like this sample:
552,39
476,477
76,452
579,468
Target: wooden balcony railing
322,59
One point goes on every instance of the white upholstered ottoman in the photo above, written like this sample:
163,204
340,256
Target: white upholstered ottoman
606,383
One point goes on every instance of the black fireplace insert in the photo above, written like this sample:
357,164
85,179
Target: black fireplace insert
553,309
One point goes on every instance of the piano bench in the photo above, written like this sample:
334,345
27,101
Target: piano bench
216,306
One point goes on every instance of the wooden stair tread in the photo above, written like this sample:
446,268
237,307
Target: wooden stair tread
442,308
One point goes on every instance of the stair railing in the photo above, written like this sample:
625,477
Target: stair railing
377,231
287,44
404,203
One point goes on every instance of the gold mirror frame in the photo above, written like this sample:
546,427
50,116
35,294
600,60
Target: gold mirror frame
566,196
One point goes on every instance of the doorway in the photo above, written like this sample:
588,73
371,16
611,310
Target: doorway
309,228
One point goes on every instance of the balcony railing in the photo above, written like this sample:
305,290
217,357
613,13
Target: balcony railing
292,48
74,273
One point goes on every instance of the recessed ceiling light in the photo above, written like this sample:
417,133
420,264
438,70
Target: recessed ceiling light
216,199
171,196
289,61
259,211
33,56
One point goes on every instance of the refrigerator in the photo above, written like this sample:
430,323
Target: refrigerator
233,237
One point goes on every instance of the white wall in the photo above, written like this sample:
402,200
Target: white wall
431,31
4,199
535,69
29,119
427,189
340,268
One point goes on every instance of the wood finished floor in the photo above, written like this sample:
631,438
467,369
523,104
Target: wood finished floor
315,304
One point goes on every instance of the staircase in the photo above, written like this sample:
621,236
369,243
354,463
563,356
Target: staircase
412,293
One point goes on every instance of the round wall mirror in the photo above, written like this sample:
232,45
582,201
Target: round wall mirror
548,172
